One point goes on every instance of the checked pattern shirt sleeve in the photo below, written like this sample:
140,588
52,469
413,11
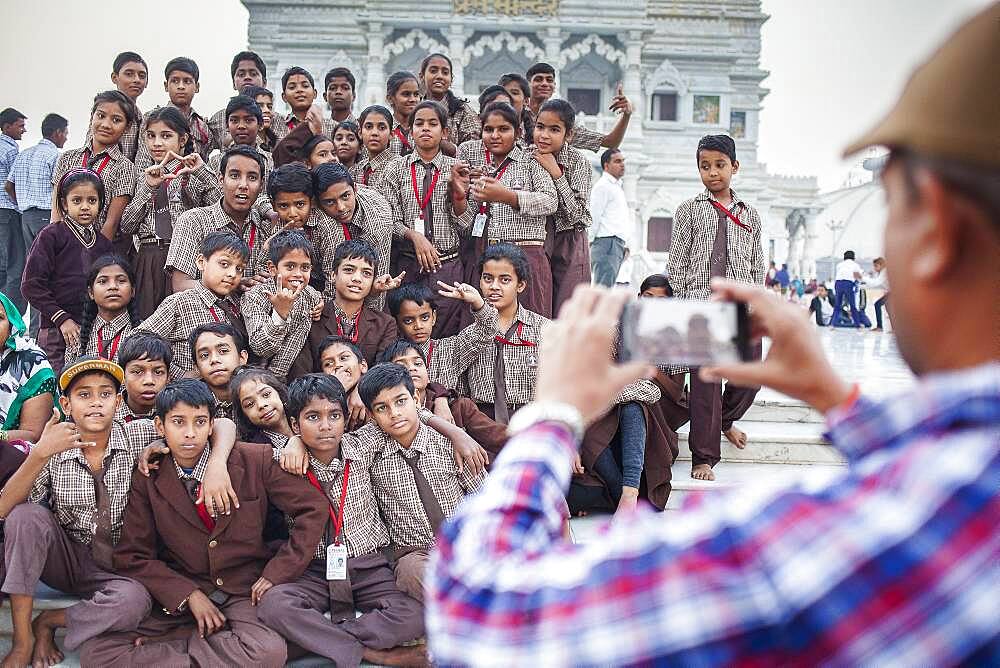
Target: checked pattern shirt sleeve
882,564
278,343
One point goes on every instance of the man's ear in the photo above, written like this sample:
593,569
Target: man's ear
197,87
521,286
165,88
939,224
158,423
64,404
363,366
243,357
114,78
271,269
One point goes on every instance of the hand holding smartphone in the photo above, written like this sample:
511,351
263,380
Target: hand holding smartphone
684,332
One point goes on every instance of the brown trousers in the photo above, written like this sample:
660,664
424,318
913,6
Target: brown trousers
51,341
410,569
452,314
152,280
243,641
111,602
569,257
390,617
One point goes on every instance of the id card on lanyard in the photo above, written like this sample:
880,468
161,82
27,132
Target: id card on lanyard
336,552
482,217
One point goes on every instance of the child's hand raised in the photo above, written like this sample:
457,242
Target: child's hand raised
463,292
189,163
59,437
283,298
386,282
621,104
317,311
314,117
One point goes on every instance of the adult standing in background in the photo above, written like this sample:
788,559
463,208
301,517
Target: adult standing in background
30,185
846,274
612,220
880,281
12,123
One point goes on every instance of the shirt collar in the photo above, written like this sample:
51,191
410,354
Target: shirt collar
438,160
420,443
199,469
707,196
113,152
8,140
611,179
326,472
117,324
223,220
208,297
47,142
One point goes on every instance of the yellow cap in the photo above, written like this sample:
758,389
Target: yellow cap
950,107
90,363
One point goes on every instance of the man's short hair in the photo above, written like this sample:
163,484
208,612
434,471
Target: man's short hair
310,386
182,64
145,346
292,71
53,123
9,116
540,68
219,329
126,57
248,55
247,104
339,72
849,255
244,150
607,155
418,293
224,240
721,143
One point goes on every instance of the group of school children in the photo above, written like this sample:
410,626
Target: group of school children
287,348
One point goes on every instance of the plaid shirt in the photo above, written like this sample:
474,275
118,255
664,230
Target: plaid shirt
448,358
278,343
179,314
536,195
520,359
887,564
8,154
363,529
217,128
67,485
641,391
102,337
696,222
396,489
119,175
124,414
285,124
397,185
573,190
198,472
31,175
369,171
201,138
584,139
263,204
195,224
199,188
396,144
464,125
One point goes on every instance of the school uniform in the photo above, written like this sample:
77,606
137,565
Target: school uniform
174,548
297,610
278,341
448,358
292,123
131,137
537,199
195,224
55,280
105,339
181,313
484,430
583,139
401,140
372,330
501,384
117,172
219,132
441,225
263,203
416,489
124,414
201,138
68,545
224,409
709,240
463,125
566,243
150,218
368,170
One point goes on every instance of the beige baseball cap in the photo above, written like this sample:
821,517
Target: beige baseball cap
950,107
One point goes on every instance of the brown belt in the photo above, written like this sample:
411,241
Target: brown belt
521,242
447,257
162,243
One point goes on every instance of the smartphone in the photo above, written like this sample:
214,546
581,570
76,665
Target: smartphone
684,332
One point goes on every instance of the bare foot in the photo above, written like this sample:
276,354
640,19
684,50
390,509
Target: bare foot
736,436
702,472
876,329
46,650
415,655
19,655
627,504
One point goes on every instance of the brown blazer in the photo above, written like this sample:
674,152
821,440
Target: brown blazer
484,430
377,331
167,548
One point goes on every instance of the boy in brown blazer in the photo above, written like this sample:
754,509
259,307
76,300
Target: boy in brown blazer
206,575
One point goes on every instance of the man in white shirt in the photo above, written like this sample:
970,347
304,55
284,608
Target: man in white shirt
612,220
846,274
879,281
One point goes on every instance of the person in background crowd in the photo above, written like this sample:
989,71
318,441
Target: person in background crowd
27,382
845,276
782,278
879,281
821,307
612,226
12,127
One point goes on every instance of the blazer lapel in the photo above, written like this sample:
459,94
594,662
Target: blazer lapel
170,487
236,474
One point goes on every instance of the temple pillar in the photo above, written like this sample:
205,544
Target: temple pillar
552,38
456,49
632,84
375,77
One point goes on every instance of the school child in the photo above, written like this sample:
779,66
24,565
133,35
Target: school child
246,69
130,75
319,150
259,398
542,82
655,285
298,91
567,246
462,410
463,123
243,122
290,189
402,93
279,315
338,87
242,169
218,349
55,271
415,309
416,480
363,580
181,76
346,314
376,131
178,180
109,118
495,93
502,379
519,90
715,234
266,139
220,262
207,573
427,192
347,143
346,212
145,359
512,195
80,471
109,310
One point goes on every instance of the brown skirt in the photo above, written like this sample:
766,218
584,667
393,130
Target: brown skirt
569,256
152,280
452,314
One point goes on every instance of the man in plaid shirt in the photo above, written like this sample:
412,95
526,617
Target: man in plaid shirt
893,563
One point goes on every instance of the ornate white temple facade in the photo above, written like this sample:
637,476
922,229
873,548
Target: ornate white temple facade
691,67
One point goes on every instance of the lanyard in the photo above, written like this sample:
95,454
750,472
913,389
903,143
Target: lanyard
425,200
206,519
100,167
347,231
368,172
253,235
215,316
357,328
402,137
523,344
430,353
114,345
338,519
484,206
729,213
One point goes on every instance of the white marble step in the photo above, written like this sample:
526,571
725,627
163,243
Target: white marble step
774,407
773,442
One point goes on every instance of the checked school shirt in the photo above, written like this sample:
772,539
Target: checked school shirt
892,564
